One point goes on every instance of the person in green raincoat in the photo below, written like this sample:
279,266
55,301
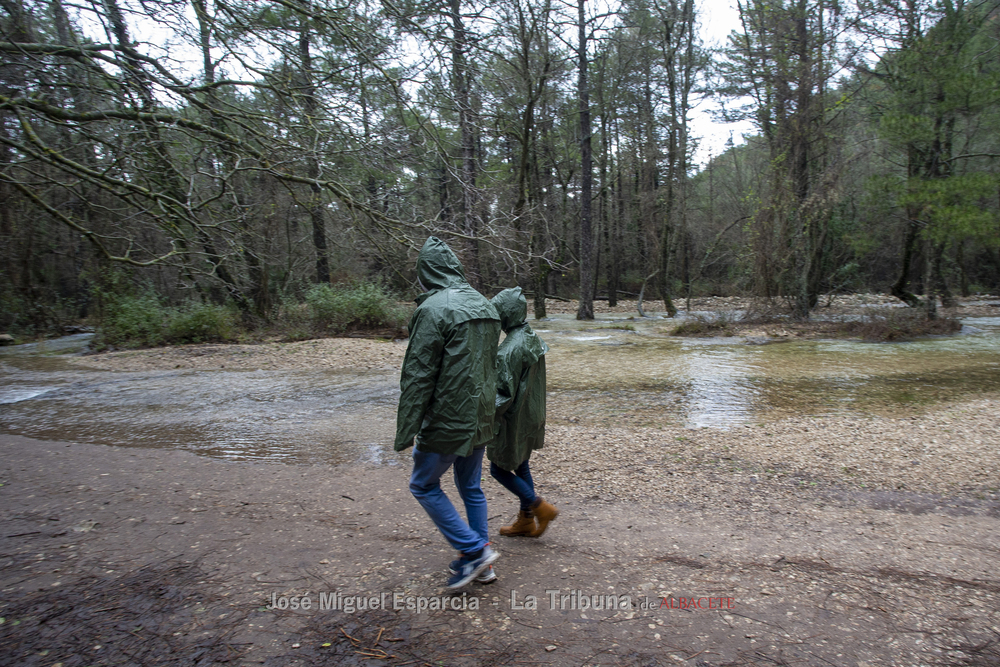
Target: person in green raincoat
520,416
447,404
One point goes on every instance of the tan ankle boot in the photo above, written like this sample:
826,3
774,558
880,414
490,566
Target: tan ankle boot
523,525
544,513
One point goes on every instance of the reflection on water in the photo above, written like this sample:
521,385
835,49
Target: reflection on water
719,391
21,393
610,371
718,382
292,416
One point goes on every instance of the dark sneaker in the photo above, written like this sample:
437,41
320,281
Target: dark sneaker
487,576
466,569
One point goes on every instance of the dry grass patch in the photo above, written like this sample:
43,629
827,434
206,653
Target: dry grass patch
896,324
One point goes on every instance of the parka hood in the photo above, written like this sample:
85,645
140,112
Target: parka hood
512,307
437,266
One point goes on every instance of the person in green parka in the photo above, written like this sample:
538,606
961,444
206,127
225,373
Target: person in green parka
447,404
520,415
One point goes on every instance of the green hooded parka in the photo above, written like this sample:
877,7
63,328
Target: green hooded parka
520,423
448,380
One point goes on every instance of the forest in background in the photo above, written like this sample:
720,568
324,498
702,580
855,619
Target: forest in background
255,156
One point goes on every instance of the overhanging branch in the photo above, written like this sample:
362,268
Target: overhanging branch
89,234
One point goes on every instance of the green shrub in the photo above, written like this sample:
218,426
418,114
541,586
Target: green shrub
143,321
359,305
133,321
201,323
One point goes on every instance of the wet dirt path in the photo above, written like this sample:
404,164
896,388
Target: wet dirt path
116,552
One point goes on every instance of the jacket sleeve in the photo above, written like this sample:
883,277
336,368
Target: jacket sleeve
418,378
508,380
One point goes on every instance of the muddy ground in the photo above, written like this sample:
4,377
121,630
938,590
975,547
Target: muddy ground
131,556
805,541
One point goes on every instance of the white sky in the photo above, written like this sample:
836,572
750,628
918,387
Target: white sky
718,18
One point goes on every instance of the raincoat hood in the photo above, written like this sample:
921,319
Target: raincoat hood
448,383
512,307
437,266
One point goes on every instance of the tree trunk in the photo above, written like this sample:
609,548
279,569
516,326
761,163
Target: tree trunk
930,298
310,107
899,287
586,309
604,200
541,284
947,298
642,290
460,84
686,85
256,272
617,218
964,275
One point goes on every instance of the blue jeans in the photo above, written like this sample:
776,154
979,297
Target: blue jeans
425,485
518,482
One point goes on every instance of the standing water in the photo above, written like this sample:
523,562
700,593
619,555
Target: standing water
608,371
611,369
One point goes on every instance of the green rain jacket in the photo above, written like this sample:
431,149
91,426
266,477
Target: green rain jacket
448,381
520,424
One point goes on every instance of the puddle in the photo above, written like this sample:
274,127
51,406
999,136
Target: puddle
75,344
289,416
598,372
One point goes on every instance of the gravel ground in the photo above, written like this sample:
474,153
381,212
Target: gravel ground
952,450
321,354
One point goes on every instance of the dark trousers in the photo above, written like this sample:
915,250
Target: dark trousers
518,482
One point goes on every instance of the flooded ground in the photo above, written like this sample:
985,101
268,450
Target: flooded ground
273,415
603,371
614,370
